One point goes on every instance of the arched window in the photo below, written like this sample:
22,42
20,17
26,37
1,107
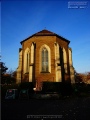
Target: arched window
65,59
45,62
45,59
26,60
27,63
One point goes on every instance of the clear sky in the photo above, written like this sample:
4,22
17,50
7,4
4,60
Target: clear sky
21,19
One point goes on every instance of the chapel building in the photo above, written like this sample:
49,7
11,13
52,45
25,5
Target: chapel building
45,56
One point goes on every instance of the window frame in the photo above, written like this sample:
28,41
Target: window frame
44,60
49,59
26,60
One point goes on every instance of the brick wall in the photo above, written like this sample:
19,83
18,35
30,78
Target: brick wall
49,41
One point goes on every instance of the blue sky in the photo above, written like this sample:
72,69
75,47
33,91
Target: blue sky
20,19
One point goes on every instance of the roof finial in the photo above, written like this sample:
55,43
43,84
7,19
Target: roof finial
45,28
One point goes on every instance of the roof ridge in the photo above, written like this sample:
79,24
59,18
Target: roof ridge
46,32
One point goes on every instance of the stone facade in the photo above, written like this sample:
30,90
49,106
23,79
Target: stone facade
45,56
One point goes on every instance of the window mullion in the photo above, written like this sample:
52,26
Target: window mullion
44,60
27,62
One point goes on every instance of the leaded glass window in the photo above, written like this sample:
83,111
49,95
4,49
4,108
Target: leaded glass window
44,60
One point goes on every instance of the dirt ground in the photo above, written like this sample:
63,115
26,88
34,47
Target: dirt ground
77,108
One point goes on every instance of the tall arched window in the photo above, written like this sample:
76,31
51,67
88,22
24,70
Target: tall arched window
45,61
27,63
26,60
65,59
